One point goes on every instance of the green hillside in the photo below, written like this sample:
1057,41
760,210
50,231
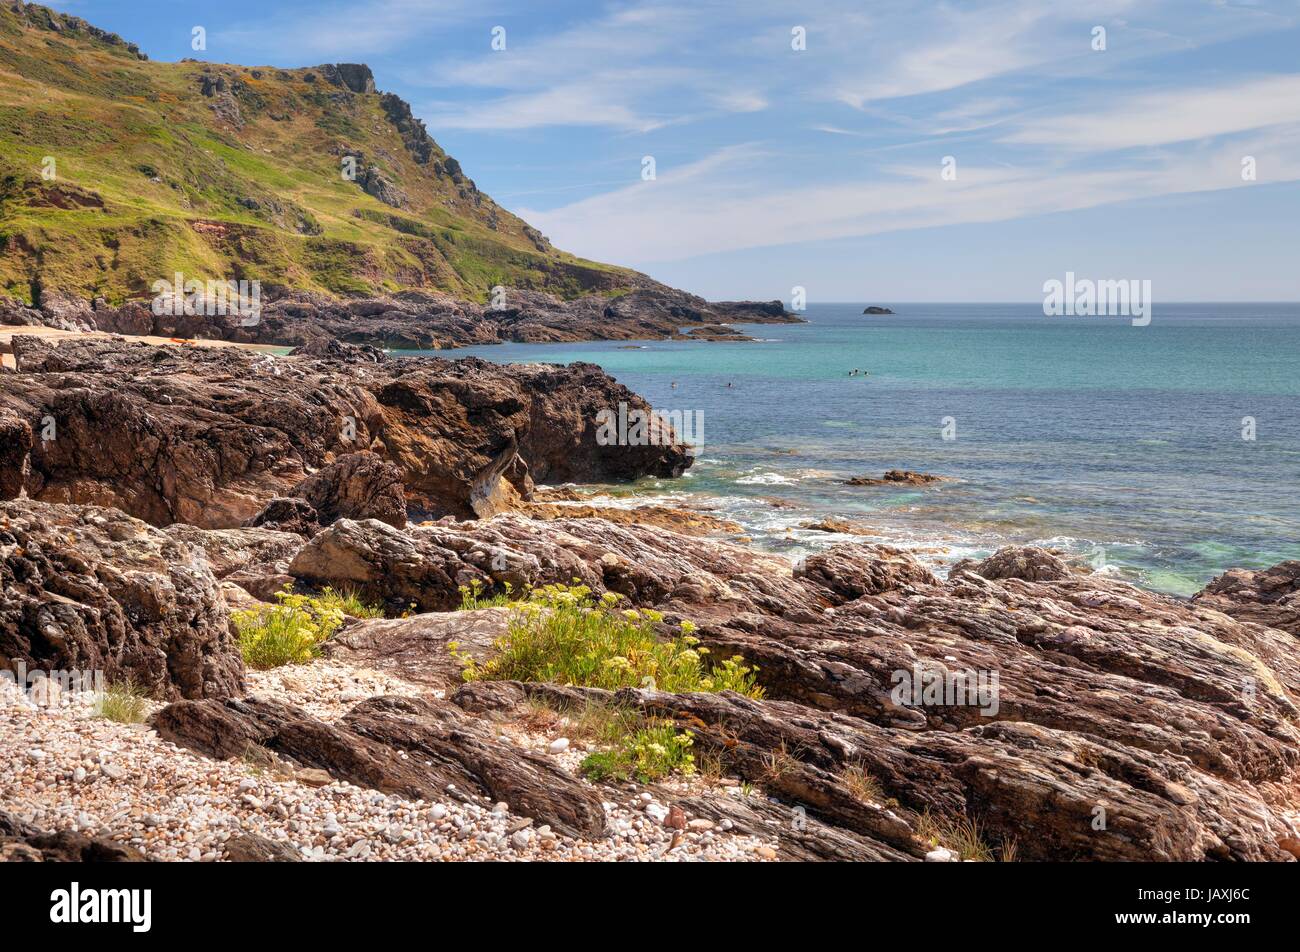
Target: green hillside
225,172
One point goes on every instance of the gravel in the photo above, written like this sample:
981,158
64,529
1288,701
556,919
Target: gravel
75,771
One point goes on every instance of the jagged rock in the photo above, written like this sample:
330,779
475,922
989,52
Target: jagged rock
414,747
286,514
385,566
356,486
1026,562
21,842
354,76
209,436
15,444
1265,596
1180,722
90,589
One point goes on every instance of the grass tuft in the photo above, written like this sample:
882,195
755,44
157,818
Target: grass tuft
123,702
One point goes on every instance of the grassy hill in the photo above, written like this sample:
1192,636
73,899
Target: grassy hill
230,172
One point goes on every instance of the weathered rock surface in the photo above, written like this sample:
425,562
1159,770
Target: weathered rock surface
91,589
22,843
356,486
209,436
416,648
1179,722
415,747
15,444
384,566
1266,596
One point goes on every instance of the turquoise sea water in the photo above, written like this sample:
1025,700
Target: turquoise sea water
1118,442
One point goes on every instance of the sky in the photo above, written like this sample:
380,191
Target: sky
890,151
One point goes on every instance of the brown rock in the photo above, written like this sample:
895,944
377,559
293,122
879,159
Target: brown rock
418,748
896,477
90,589
1264,596
356,486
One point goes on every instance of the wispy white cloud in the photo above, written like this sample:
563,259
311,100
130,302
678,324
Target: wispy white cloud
719,204
1173,115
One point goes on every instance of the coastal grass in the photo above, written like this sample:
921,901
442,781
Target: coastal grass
966,837
123,702
648,754
861,784
562,634
288,633
348,602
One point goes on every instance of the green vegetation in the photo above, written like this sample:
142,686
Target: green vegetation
562,634
348,602
123,702
646,755
861,784
290,632
150,175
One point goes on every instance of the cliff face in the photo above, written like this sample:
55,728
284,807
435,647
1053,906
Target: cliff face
117,172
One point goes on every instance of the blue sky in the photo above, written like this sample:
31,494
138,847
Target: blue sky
822,167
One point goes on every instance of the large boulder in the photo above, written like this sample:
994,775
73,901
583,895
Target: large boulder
356,486
385,566
1265,596
89,589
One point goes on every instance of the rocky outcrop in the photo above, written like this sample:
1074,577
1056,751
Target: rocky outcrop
1027,562
287,514
209,436
398,570
1264,596
425,320
895,477
91,589
416,648
15,444
414,747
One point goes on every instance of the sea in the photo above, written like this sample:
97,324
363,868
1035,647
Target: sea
1163,454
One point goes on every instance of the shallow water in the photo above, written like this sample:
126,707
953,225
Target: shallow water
1121,443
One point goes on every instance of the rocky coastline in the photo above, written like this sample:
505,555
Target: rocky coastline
149,492
415,319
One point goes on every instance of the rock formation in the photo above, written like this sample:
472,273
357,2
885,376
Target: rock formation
89,589
210,436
